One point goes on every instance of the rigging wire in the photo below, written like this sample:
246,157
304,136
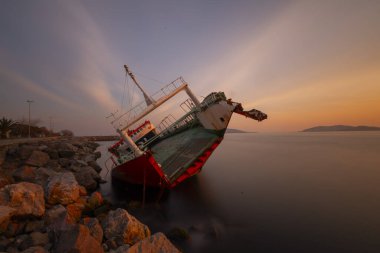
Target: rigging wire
123,95
150,78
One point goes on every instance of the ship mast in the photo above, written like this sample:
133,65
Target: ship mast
148,99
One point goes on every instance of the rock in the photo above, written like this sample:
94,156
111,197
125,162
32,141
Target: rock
19,241
12,249
111,244
35,225
4,242
156,243
4,180
9,166
25,173
97,155
79,240
37,159
35,249
92,145
75,168
80,163
95,200
15,228
25,151
95,166
53,154
64,162
88,178
39,239
121,223
82,191
43,175
66,146
13,152
54,165
43,148
105,247
95,228
6,214
122,249
54,214
119,241
26,198
101,210
74,212
62,189
66,153
89,158
57,220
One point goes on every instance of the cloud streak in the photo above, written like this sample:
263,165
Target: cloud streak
37,89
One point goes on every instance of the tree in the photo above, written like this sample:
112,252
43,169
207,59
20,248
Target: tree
6,126
67,133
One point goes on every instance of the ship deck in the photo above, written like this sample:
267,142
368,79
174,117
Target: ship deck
176,153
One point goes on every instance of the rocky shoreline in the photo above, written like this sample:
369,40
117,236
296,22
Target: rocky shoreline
49,203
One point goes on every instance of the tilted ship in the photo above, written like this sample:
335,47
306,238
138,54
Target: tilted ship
178,148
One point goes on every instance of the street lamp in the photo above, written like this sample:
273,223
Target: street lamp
29,102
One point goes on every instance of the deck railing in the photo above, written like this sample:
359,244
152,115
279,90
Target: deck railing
128,116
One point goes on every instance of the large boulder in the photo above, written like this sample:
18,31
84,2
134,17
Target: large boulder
156,243
88,178
66,150
95,166
43,175
74,212
62,188
26,198
54,213
95,228
77,239
6,214
37,159
120,223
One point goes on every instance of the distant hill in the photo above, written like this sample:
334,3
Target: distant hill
341,128
234,131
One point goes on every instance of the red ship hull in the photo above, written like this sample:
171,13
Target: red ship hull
145,170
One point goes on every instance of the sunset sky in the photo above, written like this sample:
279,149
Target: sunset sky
304,63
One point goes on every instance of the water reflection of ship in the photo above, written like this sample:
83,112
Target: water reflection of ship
176,150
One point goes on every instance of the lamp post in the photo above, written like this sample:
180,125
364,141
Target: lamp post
29,102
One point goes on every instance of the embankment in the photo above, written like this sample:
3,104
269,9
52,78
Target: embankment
49,203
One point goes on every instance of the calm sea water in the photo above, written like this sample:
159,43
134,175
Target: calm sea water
296,192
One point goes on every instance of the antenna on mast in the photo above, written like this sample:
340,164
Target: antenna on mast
148,99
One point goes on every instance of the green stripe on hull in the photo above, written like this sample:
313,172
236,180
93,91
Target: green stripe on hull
177,152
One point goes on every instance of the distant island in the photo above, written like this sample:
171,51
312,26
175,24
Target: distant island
235,131
341,128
